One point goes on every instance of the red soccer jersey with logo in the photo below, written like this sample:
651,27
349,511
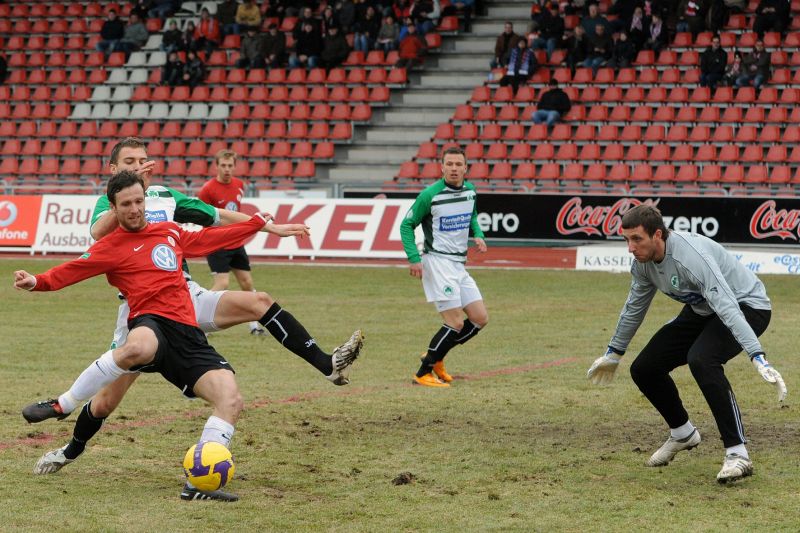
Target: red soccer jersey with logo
223,195
145,265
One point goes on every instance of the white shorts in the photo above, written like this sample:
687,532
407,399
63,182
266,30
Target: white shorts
205,307
447,283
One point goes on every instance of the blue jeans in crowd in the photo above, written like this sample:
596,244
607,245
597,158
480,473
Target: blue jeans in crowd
745,79
542,115
540,43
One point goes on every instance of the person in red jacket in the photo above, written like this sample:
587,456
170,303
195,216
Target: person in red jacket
411,49
207,33
143,261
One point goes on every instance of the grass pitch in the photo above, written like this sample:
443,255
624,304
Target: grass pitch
522,442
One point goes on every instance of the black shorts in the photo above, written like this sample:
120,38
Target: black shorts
223,261
183,354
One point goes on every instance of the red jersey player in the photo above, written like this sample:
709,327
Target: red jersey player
144,262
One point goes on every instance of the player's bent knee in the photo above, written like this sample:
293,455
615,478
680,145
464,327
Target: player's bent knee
263,302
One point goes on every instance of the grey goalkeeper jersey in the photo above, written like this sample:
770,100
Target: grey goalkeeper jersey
698,272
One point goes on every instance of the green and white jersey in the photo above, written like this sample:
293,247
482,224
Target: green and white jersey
446,215
162,204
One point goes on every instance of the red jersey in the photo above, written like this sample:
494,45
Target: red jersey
145,265
223,195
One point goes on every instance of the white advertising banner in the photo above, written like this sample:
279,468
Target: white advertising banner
617,259
339,228
64,224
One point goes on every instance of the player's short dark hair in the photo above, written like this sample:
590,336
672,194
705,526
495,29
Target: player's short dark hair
646,216
454,150
122,180
225,154
127,142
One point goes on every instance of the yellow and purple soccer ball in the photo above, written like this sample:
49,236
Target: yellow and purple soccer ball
208,465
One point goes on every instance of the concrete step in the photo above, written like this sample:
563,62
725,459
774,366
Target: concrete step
461,80
473,46
439,98
362,173
412,116
464,61
403,134
386,155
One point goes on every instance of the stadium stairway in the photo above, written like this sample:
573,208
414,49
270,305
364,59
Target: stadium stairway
446,81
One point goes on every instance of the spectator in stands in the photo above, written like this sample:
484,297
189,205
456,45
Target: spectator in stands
135,36
334,49
734,70
425,15
736,6
712,64
280,9
187,41
623,53
462,9
164,8
194,71
248,15
388,35
366,30
577,46
411,50
772,15
207,35
226,16
307,48
756,67
590,21
692,16
656,34
521,66
328,20
550,30
112,31
307,17
599,51
251,53
171,39
141,8
624,10
274,47
717,17
553,105
3,68
505,43
347,13
172,71
637,28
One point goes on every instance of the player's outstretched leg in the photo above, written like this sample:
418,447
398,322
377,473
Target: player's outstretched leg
343,358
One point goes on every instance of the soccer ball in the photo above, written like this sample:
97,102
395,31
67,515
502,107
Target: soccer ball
208,465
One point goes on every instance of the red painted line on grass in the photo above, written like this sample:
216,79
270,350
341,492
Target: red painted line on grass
37,438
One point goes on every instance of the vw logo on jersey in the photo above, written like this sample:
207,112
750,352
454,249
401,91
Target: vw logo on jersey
8,213
231,206
164,258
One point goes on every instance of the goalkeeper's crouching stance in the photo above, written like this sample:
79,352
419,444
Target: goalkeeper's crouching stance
726,310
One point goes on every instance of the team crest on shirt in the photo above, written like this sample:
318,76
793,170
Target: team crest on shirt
448,290
164,258
674,281
231,206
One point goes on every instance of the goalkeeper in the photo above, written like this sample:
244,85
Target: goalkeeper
726,309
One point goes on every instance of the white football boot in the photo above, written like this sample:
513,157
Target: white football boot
51,462
343,358
734,467
667,452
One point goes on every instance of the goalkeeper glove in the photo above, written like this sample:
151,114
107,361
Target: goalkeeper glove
769,373
602,370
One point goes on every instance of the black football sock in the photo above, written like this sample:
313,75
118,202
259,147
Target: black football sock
85,428
291,334
467,332
442,341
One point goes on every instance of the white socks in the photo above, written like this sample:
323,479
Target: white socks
739,449
681,432
99,374
217,430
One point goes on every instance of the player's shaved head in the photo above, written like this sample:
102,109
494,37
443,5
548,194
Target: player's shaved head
646,216
120,181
